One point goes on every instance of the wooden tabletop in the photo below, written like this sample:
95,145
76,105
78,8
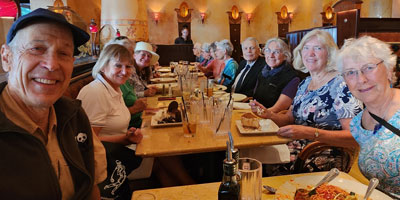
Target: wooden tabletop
167,141
209,191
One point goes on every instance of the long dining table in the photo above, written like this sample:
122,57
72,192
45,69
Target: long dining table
209,191
168,141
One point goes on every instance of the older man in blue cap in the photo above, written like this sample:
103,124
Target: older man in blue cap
47,147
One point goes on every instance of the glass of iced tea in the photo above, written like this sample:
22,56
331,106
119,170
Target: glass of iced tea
190,118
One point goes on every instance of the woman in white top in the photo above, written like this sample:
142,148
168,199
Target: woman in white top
102,101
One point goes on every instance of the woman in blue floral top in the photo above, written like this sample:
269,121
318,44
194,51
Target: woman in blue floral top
224,52
323,105
367,65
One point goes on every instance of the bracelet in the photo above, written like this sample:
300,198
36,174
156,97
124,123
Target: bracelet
316,134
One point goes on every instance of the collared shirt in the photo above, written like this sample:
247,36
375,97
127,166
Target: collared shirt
105,107
250,64
17,115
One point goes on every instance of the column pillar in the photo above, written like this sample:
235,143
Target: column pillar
128,16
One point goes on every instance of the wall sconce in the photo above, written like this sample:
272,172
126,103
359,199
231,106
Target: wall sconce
156,16
249,16
284,17
203,17
328,16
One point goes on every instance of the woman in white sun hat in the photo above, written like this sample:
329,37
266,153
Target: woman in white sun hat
144,57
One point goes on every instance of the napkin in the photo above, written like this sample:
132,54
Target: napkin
273,154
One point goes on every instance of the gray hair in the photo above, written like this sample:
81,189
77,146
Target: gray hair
111,51
126,42
326,40
284,47
197,45
213,46
206,47
364,48
253,39
226,45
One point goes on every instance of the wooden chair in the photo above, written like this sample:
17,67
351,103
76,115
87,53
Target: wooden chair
308,157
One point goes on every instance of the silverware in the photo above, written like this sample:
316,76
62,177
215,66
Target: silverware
371,186
270,189
333,173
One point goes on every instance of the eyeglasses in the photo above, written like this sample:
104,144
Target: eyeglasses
121,38
275,52
366,69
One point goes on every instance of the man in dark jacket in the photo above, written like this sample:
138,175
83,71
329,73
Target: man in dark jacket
249,68
47,147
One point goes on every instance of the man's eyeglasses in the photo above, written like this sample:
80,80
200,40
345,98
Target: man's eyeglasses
275,52
121,38
366,69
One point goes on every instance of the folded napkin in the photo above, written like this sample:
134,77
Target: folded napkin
273,154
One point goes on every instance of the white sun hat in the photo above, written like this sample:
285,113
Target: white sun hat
144,46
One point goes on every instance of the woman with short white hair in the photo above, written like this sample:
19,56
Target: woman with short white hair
224,52
367,66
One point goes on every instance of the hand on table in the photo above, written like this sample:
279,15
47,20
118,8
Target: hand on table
294,131
134,135
259,110
151,91
140,105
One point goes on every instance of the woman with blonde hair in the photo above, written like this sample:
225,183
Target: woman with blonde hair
109,118
323,105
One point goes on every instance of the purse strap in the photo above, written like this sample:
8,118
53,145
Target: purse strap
386,124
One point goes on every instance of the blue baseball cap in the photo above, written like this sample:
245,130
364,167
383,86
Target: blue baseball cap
80,36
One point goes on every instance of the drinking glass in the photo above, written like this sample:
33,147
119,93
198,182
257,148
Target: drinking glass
250,182
190,118
221,116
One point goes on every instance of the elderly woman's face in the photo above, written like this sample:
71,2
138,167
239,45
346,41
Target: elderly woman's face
220,53
143,59
212,53
274,55
367,78
117,72
314,55
206,55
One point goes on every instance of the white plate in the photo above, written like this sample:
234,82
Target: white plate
167,75
288,189
219,87
241,106
160,85
164,70
238,97
235,96
162,80
272,128
154,122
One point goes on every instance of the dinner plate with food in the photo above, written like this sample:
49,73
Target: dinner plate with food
170,116
250,124
340,188
167,75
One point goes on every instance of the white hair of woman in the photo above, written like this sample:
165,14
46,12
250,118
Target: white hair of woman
284,47
364,48
225,45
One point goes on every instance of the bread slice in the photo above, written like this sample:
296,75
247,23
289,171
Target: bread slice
250,121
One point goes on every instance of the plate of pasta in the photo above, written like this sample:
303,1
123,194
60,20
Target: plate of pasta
341,188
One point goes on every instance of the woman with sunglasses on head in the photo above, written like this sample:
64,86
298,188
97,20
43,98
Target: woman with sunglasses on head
367,66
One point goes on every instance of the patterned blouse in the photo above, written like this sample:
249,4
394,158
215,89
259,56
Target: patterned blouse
379,153
323,108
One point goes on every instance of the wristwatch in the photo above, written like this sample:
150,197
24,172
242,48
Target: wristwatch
316,134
